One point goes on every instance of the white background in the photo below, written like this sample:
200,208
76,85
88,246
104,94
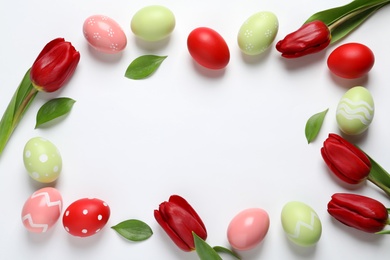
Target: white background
224,140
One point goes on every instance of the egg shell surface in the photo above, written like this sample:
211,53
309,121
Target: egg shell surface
104,34
355,111
351,60
42,210
257,33
86,217
248,228
153,23
208,48
301,223
42,160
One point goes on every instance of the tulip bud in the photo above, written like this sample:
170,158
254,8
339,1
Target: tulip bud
54,65
358,211
345,160
179,220
310,38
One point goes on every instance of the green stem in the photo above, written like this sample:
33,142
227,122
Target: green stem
23,107
16,108
379,184
355,13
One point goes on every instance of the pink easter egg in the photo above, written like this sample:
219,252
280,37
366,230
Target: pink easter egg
42,210
248,228
104,34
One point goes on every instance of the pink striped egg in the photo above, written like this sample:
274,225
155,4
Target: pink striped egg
42,210
104,34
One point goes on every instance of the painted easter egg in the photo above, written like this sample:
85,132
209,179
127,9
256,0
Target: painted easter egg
355,111
208,48
351,60
248,228
153,23
301,223
257,33
86,217
104,34
42,160
42,210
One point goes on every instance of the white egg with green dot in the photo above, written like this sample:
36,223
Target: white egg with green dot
257,33
42,160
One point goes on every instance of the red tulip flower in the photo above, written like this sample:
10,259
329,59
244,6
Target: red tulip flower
54,65
359,212
179,220
310,38
345,160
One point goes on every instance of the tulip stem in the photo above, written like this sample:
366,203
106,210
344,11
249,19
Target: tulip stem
23,106
355,13
16,108
380,185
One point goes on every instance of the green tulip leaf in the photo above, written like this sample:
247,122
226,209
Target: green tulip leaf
143,66
314,124
344,19
383,232
204,250
133,230
379,176
53,109
220,249
21,100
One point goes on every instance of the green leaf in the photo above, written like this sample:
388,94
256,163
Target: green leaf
220,249
345,28
383,232
204,250
379,176
344,19
53,109
20,102
144,66
313,125
133,230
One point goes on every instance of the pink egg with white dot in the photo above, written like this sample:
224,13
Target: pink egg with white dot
42,210
86,217
104,34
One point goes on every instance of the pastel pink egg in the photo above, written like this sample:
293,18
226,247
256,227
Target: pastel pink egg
104,34
42,210
248,228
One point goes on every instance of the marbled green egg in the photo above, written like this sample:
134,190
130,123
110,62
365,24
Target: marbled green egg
355,111
257,33
153,23
42,160
301,223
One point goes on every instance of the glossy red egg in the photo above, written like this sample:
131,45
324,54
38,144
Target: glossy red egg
86,217
351,60
208,48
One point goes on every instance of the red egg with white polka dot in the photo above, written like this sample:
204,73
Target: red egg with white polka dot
86,217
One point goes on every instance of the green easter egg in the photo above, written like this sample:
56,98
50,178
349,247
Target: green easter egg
301,223
153,23
355,111
257,33
42,160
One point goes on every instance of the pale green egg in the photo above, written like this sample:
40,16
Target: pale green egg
153,23
301,223
257,33
355,111
42,160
